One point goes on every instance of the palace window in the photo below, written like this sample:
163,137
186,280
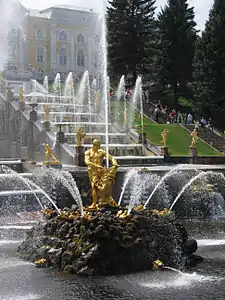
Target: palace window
80,58
39,34
62,57
80,39
39,55
62,35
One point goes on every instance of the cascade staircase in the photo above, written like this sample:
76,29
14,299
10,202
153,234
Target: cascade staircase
212,138
22,136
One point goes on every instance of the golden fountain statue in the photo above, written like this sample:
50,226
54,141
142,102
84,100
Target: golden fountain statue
80,134
164,135
50,155
194,135
101,178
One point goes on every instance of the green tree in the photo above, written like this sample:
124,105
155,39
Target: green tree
209,67
131,30
175,48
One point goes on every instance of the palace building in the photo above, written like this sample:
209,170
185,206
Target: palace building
57,39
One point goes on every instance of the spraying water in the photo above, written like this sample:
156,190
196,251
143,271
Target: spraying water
71,183
120,94
105,81
89,101
203,175
131,204
136,101
93,94
199,176
128,176
179,167
69,86
29,184
174,270
45,83
81,93
66,179
57,86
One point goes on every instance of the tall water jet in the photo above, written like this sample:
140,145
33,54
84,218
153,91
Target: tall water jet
93,95
89,101
45,83
57,86
34,89
104,78
121,95
81,93
128,176
137,102
94,84
176,168
69,86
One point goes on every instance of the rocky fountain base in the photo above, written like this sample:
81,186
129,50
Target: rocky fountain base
101,243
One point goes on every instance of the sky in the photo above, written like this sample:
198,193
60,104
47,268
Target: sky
202,7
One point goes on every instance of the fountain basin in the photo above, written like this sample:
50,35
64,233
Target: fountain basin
104,244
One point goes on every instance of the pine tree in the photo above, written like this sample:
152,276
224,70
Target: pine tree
131,28
209,67
176,47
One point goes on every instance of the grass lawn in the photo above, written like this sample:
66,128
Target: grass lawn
178,141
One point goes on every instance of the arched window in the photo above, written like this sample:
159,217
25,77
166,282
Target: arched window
80,39
62,35
62,57
39,34
80,58
40,55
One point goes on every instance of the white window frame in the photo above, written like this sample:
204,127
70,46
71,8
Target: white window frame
40,57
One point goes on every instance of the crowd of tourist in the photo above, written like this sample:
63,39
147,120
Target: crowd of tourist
162,114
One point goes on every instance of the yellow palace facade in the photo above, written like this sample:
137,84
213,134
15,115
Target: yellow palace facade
57,39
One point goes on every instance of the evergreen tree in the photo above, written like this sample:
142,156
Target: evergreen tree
131,28
209,67
176,47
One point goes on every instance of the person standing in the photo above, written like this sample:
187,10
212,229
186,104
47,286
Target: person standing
190,119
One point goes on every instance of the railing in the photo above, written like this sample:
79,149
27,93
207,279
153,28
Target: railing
27,75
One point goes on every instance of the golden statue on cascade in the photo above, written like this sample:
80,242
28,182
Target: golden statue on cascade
101,178
80,135
164,135
49,155
194,135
